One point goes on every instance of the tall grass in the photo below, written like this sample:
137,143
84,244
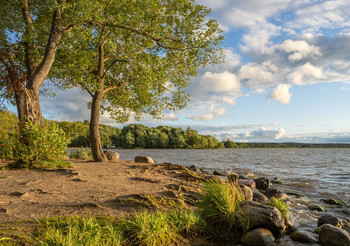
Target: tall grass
71,231
280,205
220,206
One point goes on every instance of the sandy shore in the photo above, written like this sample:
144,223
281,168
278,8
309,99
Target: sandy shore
91,188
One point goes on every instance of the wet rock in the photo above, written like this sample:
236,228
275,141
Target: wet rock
246,182
111,155
259,197
316,207
194,168
328,219
262,183
248,193
144,159
217,173
334,236
293,193
291,222
263,216
332,201
273,192
276,181
303,236
258,237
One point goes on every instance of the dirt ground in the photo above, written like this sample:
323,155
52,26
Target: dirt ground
89,188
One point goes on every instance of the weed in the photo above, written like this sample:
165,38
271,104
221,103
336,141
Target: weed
280,205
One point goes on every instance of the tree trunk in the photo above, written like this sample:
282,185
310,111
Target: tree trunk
28,106
95,139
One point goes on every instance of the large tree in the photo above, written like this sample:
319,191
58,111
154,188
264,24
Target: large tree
137,57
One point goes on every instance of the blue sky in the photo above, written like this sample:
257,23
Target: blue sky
285,78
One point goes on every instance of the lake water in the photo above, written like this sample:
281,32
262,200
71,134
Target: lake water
314,173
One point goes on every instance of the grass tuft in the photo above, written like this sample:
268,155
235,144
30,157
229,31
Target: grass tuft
280,205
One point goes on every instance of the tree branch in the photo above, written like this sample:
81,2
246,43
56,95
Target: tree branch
86,89
114,87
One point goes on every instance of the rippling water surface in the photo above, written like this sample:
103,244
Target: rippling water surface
314,172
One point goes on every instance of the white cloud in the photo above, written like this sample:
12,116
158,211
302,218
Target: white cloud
281,93
170,116
306,73
255,75
220,82
209,114
298,49
260,134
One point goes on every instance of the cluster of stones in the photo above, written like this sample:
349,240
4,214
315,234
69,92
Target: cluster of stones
266,222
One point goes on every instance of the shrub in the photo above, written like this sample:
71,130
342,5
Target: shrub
280,205
81,155
38,144
219,205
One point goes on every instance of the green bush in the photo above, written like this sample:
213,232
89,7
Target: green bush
81,155
219,205
37,144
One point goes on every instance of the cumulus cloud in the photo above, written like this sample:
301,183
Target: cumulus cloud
281,93
298,49
170,116
255,75
209,114
220,82
260,134
306,73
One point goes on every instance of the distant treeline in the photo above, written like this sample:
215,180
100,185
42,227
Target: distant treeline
140,136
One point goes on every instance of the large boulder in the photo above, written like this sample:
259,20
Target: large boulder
144,159
258,237
328,219
303,236
262,183
291,222
111,155
263,216
334,236
273,192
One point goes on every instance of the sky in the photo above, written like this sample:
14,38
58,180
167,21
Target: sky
286,76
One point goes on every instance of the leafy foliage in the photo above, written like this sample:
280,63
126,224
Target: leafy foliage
81,155
38,144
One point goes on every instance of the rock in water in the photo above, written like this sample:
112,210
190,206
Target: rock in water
258,237
259,197
333,236
263,216
332,201
262,183
303,236
273,192
144,159
246,182
111,155
328,219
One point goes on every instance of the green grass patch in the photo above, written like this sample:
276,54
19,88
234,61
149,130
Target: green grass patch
280,205
219,206
93,231
81,155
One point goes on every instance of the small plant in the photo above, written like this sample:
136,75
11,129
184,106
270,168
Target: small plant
81,155
55,163
280,205
79,231
186,221
37,144
220,207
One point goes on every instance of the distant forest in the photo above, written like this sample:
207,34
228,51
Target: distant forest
139,136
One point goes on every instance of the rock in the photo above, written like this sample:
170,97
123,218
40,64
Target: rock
144,159
332,201
316,207
258,237
291,222
217,173
232,178
328,219
259,197
273,192
276,181
3,210
333,236
263,216
111,155
262,183
243,177
248,193
303,236
296,194
246,182
194,168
